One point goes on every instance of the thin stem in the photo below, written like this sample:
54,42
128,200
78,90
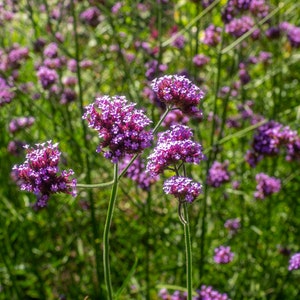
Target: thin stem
188,251
107,225
96,185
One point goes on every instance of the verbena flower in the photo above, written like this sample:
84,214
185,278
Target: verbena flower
182,188
294,263
137,172
91,16
208,293
120,126
40,173
19,123
180,92
237,27
175,117
174,146
233,225
269,139
266,186
6,94
47,77
212,35
200,60
218,174
223,255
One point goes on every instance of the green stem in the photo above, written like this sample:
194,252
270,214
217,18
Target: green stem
107,225
188,251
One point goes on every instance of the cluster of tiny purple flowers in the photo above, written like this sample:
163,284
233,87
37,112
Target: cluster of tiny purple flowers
206,293
120,126
174,146
19,123
223,255
40,173
266,186
218,174
294,263
183,188
233,225
179,92
268,141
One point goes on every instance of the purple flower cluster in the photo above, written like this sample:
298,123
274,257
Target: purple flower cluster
233,225
223,255
218,174
266,186
183,188
47,77
180,92
200,60
268,141
174,146
293,33
208,293
40,175
294,263
175,117
120,126
19,123
137,172
154,68
212,35
238,27
6,94
257,8
91,16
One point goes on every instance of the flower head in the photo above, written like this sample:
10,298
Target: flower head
218,174
294,263
223,255
47,77
182,188
120,126
178,91
208,293
40,173
266,186
174,146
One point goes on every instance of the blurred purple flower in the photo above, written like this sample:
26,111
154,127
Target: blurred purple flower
207,293
212,35
19,123
200,60
239,26
223,255
266,186
294,263
47,77
91,16
218,174
6,94
137,172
